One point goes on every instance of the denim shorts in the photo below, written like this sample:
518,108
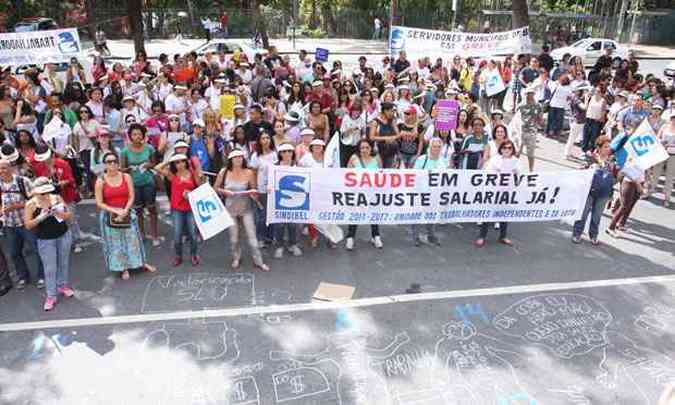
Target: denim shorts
145,196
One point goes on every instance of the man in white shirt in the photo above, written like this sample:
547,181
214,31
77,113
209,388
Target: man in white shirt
175,103
377,28
213,93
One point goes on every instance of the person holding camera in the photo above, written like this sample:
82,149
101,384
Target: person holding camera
47,214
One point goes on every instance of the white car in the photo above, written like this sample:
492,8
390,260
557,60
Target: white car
590,49
228,46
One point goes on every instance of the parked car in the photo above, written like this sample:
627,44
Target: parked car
590,49
228,46
36,24
669,71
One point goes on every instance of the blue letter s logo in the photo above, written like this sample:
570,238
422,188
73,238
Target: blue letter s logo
292,193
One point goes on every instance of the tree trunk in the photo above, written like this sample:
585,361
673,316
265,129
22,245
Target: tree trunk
313,17
520,15
134,10
260,24
622,14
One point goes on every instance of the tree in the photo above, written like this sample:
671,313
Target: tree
521,16
134,10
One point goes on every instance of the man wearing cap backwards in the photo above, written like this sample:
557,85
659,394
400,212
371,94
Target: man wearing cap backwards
532,117
61,175
15,191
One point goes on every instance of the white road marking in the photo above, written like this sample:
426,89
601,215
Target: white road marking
317,306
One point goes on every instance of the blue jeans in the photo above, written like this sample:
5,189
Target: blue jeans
183,222
55,255
263,231
279,234
592,130
554,123
594,206
18,238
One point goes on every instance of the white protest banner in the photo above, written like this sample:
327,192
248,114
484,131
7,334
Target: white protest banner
349,196
39,47
209,212
494,83
420,42
644,147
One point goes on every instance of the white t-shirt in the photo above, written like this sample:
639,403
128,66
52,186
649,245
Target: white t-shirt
560,96
261,165
308,161
175,103
378,23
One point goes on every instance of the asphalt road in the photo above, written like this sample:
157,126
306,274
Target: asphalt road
543,322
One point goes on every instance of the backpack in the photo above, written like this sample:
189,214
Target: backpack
603,183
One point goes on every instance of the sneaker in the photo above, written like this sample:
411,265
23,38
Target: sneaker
595,241
377,242
418,242
279,253
262,244
77,249
611,232
50,302
576,240
349,244
497,225
177,261
295,251
156,242
20,285
66,291
195,260
433,240
40,284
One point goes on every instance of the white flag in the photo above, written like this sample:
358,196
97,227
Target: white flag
209,212
644,147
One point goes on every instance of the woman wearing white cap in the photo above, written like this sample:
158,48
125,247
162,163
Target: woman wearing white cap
173,134
47,215
286,157
182,180
236,183
122,243
102,145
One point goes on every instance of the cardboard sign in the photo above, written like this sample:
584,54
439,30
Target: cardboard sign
446,115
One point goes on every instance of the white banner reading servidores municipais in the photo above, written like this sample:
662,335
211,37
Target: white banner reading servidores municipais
349,196
39,47
420,43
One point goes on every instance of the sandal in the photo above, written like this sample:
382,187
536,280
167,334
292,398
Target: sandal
125,275
479,243
263,267
149,268
506,241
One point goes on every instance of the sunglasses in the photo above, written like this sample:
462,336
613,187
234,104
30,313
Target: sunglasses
286,151
174,119
111,162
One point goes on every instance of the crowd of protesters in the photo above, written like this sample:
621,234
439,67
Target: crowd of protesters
123,134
